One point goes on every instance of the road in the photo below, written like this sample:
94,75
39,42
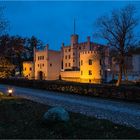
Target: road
116,111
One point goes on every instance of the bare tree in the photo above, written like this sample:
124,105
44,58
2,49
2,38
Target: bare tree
118,30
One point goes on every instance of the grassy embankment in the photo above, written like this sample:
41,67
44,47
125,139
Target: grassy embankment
20,118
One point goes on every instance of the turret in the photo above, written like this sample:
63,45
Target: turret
74,39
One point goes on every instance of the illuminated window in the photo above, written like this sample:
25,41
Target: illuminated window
81,62
81,72
90,62
90,72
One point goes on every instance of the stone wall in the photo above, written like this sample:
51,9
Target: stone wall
72,76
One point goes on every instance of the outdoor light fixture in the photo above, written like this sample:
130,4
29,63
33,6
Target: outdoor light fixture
108,69
10,92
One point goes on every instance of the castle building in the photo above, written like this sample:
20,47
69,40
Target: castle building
84,62
78,62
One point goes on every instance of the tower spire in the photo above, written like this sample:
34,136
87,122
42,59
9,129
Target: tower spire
74,26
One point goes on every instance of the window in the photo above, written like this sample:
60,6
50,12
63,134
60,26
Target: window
40,57
73,60
90,62
69,50
69,64
100,62
100,72
89,72
38,65
81,72
50,64
66,57
81,62
30,69
25,69
65,64
73,53
43,65
79,48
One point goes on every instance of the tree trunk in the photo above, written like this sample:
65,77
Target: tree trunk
121,64
120,75
125,72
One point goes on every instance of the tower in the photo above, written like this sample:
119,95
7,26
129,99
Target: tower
74,45
74,37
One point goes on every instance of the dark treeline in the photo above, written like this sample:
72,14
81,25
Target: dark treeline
16,49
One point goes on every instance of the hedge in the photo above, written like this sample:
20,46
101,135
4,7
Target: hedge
128,93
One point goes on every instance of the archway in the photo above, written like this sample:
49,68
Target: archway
40,75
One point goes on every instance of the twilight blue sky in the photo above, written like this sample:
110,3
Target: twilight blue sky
52,21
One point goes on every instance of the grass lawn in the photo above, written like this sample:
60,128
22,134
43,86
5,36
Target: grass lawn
20,118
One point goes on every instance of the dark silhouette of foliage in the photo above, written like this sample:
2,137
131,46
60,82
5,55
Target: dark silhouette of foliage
118,30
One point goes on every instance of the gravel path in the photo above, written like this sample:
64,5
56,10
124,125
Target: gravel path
116,111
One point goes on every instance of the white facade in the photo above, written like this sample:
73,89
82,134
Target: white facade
66,64
47,64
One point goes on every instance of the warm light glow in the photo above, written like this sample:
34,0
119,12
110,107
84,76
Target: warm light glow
10,91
